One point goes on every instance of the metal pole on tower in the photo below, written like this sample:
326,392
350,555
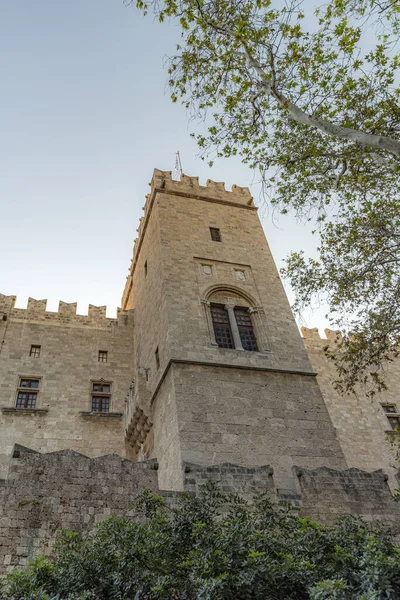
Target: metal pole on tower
178,164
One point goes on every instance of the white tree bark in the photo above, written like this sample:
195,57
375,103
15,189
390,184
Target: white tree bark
369,140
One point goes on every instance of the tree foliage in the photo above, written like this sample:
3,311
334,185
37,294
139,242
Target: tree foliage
309,98
215,547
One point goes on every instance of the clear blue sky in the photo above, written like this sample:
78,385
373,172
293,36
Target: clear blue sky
84,119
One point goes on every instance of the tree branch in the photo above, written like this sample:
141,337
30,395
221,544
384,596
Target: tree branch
379,142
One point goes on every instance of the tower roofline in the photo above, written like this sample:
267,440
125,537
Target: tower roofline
187,187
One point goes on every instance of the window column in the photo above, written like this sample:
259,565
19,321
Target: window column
234,328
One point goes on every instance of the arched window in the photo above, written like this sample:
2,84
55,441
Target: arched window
231,321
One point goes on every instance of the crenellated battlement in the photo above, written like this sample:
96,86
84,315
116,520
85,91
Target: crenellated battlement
186,187
36,311
312,335
213,190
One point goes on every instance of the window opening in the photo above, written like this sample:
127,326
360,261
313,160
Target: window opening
157,355
101,396
103,356
222,328
246,330
215,234
35,351
393,416
27,393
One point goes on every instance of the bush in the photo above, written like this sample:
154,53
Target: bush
213,547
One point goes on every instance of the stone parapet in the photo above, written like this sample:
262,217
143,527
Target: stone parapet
187,187
328,493
36,312
231,478
46,493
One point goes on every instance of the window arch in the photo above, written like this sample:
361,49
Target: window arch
232,318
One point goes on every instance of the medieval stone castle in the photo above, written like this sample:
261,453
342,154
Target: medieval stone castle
203,374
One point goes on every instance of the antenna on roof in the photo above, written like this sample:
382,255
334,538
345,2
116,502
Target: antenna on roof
178,164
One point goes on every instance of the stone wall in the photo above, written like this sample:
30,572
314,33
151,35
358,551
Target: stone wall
361,425
253,418
46,493
67,365
63,490
231,479
327,494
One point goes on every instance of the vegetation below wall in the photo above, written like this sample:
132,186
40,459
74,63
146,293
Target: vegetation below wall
189,551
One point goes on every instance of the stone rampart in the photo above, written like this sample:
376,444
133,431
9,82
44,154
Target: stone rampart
36,312
327,493
46,493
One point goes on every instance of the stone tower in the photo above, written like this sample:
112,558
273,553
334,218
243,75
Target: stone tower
221,373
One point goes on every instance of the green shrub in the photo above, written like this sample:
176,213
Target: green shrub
215,547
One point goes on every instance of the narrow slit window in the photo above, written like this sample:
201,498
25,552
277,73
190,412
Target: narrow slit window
103,356
145,269
35,351
157,355
215,234
222,328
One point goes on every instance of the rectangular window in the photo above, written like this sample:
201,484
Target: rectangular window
222,328
27,393
29,383
157,355
215,234
100,404
245,327
103,355
101,396
393,416
35,351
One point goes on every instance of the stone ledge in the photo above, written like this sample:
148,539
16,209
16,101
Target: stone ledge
24,411
95,415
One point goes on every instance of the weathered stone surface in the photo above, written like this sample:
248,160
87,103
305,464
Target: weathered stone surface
208,404
46,493
326,494
363,430
196,410
67,364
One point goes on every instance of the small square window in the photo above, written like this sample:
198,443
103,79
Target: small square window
157,355
103,356
215,234
35,351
